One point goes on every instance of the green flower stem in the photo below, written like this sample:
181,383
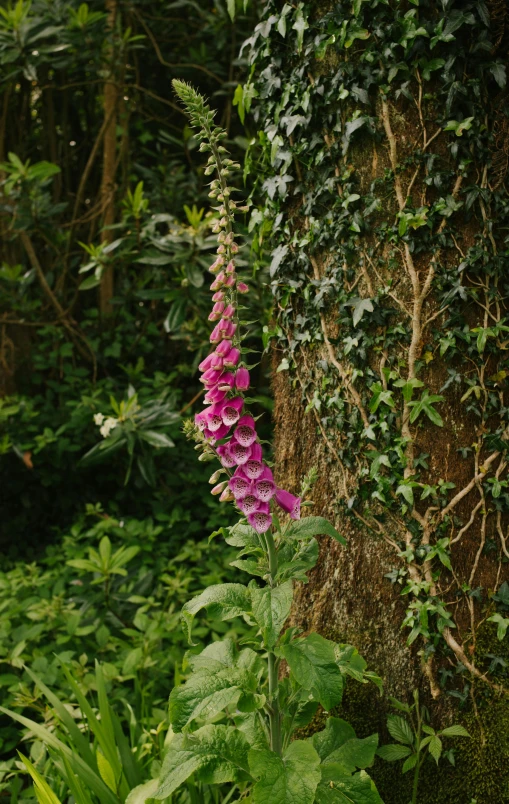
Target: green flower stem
419,762
274,708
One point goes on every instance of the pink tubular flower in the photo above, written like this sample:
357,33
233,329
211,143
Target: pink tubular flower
242,287
245,432
232,358
214,395
228,312
242,379
239,485
229,281
239,453
225,381
210,377
219,296
231,410
206,363
217,435
230,267
248,504
224,456
226,496
216,335
264,487
223,348
289,503
260,521
216,363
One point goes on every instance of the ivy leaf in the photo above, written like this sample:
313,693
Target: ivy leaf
217,754
360,306
498,72
291,779
407,493
315,526
278,256
224,601
400,729
380,396
312,662
391,753
503,624
300,25
407,387
271,607
425,405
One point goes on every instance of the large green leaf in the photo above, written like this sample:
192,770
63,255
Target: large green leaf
340,751
221,678
356,789
315,526
292,779
312,661
223,601
271,607
217,754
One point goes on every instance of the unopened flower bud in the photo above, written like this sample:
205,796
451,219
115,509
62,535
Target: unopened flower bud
242,288
230,267
220,487
234,248
215,477
229,281
219,295
226,496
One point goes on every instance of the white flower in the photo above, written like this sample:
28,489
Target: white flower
108,426
99,418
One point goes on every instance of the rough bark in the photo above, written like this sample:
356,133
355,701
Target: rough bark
110,105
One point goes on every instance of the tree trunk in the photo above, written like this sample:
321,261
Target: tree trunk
386,139
110,105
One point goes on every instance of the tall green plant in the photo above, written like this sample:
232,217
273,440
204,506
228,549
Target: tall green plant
236,717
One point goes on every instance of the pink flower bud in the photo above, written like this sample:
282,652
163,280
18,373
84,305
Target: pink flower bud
230,267
228,311
242,379
216,265
223,348
220,487
226,496
216,335
234,248
217,311
218,281
225,381
206,363
232,358
230,280
217,362
242,287
227,328
219,296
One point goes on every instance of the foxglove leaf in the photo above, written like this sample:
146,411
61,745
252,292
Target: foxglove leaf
312,661
271,607
292,779
223,601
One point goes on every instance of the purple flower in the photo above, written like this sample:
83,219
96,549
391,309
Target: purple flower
224,456
231,410
239,453
216,335
260,521
226,381
206,363
214,395
248,504
264,486
239,485
245,432
216,435
289,503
